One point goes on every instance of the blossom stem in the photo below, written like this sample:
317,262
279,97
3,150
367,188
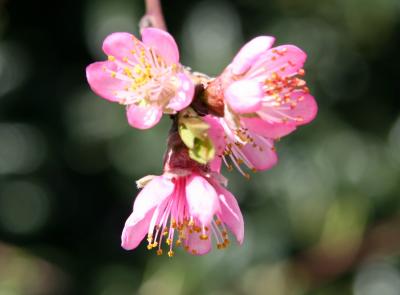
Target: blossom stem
154,16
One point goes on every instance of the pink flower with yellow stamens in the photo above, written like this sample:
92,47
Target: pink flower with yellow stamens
145,76
183,208
264,98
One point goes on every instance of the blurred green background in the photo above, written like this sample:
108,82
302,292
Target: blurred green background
324,221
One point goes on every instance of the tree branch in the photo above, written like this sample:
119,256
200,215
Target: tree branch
154,17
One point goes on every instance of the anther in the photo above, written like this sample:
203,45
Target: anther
203,237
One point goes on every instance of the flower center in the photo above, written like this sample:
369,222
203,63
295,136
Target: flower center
145,75
279,91
174,226
180,234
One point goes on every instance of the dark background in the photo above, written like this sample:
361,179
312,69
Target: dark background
324,221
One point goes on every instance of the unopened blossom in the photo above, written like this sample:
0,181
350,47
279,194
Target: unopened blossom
145,76
261,96
183,209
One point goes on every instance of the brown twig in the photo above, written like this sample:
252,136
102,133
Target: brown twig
154,16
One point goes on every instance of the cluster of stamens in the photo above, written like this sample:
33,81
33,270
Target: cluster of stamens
233,150
143,71
281,87
185,230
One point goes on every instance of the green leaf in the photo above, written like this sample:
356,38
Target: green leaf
193,132
187,136
203,151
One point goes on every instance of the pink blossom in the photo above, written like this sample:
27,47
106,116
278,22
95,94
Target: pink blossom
145,76
183,208
265,99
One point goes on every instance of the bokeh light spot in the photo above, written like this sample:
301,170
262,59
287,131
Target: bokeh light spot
22,148
377,278
24,207
14,66
104,17
211,34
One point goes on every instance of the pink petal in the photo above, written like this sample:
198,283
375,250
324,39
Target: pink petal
244,96
198,246
299,110
202,199
285,60
163,43
121,45
249,53
215,164
101,82
305,108
184,93
143,116
136,227
215,133
262,156
151,196
268,129
231,214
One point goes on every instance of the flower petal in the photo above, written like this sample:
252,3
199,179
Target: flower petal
300,109
143,116
184,93
244,96
121,45
135,229
262,155
215,133
305,108
101,81
197,246
151,196
249,53
230,213
285,60
267,129
202,199
163,43
215,164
